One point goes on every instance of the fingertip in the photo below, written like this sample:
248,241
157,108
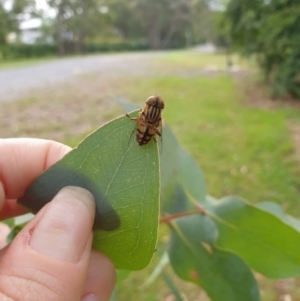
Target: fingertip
52,251
23,160
68,221
2,195
55,150
101,276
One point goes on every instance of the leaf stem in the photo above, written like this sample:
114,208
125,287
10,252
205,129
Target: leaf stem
198,210
208,213
168,218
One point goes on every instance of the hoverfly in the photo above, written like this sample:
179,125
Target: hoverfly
149,120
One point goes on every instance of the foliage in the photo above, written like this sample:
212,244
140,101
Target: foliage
115,46
159,24
220,29
29,50
270,31
195,258
6,23
162,20
11,17
16,51
77,21
214,243
209,241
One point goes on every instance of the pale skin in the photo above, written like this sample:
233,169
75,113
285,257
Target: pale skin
51,259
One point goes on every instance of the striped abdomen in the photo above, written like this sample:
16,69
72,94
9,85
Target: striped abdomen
144,133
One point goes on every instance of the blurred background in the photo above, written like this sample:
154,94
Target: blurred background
32,28
228,71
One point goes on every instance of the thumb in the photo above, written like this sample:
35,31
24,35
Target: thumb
50,256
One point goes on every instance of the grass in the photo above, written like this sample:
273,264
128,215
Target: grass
17,63
184,59
243,149
24,62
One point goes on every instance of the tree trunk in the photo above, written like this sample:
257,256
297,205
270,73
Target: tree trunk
155,35
59,38
169,36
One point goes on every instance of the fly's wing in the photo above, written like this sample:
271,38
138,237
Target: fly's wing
135,119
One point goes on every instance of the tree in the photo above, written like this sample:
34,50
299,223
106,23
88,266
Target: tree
270,31
6,24
202,21
164,19
76,21
161,23
10,17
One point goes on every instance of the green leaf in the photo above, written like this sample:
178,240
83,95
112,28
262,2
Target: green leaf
163,262
10,222
190,176
121,276
14,232
275,209
194,257
126,106
177,168
124,179
172,287
265,242
16,224
23,219
114,295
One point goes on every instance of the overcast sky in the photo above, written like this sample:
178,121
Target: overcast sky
41,4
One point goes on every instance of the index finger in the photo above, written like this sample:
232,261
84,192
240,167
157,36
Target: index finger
21,162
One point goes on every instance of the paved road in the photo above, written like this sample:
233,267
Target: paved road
15,83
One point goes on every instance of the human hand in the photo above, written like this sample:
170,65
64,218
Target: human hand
51,257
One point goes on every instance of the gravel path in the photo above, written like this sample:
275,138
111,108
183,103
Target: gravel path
17,83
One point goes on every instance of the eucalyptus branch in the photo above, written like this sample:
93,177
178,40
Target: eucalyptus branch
170,217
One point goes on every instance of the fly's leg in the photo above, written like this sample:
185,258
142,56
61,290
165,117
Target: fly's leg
157,132
132,118
161,142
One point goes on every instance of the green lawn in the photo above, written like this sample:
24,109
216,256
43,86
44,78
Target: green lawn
23,62
5,64
184,59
